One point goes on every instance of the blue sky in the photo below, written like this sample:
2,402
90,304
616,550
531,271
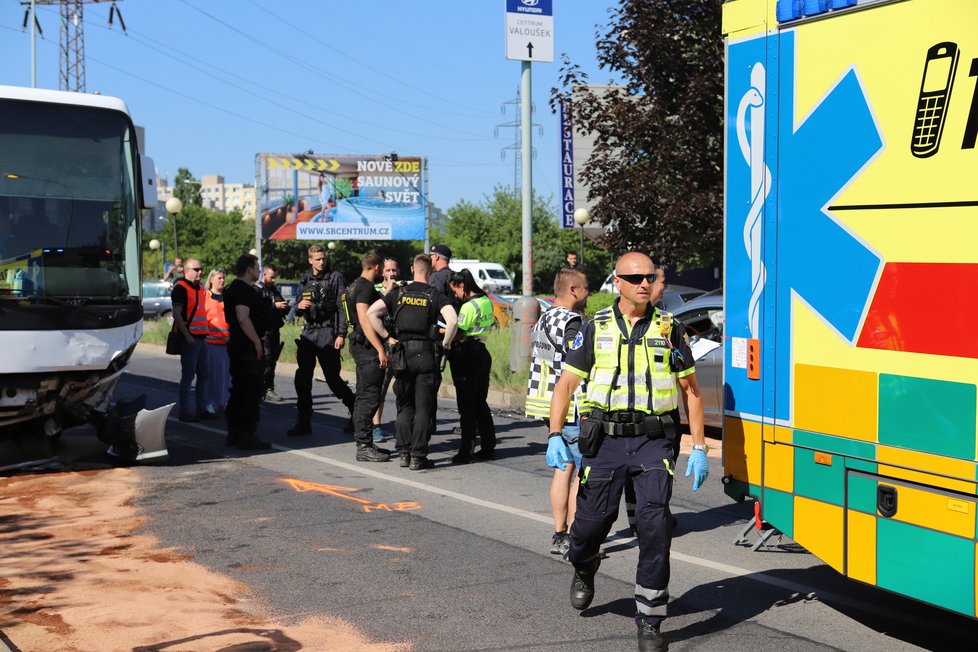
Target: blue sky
215,82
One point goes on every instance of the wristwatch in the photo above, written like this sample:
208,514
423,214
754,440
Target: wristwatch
555,434
701,447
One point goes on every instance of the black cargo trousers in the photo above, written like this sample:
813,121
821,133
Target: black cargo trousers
271,343
316,344
415,389
242,412
370,385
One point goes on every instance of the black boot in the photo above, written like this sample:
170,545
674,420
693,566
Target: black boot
420,463
370,453
405,460
303,426
650,640
464,454
582,585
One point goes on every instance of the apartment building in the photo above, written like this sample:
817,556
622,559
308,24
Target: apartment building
215,193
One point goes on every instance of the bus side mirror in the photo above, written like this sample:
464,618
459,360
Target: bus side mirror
148,171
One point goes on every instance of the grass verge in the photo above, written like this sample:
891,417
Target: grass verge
499,342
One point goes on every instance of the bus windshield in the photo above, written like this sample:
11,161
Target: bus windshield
68,207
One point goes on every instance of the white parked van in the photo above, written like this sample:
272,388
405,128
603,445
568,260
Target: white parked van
491,277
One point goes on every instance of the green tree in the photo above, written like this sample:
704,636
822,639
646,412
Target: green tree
656,168
291,259
186,188
213,237
492,231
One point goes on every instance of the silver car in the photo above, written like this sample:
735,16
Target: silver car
703,319
156,300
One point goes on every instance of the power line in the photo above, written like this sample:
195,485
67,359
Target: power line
447,162
336,80
72,38
142,39
478,112
444,64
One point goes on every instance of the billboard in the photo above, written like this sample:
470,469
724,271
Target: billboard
341,197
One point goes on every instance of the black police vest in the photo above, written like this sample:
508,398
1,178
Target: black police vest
413,313
322,293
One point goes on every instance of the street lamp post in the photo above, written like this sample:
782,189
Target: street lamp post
331,246
174,206
154,244
581,217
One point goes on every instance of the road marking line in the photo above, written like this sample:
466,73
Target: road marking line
735,571
416,485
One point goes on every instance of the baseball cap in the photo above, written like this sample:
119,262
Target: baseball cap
442,250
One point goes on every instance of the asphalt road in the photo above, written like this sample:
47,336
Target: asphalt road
457,557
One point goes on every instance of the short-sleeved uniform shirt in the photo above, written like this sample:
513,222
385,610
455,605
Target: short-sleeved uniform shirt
240,293
580,352
361,291
571,330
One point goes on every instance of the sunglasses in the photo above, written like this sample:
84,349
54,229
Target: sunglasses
196,269
635,279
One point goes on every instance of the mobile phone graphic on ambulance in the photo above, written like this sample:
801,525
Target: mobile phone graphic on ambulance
935,95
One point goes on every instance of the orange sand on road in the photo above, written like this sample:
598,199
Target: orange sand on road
75,576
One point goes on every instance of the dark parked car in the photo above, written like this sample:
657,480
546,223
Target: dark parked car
156,300
289,289
703,319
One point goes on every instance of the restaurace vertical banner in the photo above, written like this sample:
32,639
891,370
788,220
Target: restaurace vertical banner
566,165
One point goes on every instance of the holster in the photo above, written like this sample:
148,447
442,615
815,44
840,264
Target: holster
591,437
397,358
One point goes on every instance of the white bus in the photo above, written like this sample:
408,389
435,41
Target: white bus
72,186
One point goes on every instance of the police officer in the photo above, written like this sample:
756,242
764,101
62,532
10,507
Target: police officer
368,350
276,309
471,366
389,281
441,256
323,335
415,311
631,355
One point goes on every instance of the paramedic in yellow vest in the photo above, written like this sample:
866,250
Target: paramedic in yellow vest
471,365
631,354
190,319
549,340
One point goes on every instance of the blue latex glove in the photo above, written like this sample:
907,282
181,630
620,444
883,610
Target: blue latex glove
697,463
558,453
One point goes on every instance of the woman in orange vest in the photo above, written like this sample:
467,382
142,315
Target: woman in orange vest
218,363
